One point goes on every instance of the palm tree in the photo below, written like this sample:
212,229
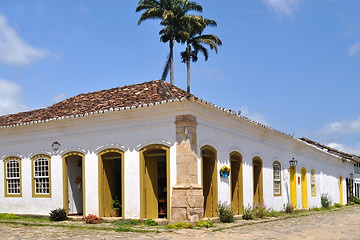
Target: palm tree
172,13
195,44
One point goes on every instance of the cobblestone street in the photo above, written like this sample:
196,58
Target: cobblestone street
342,224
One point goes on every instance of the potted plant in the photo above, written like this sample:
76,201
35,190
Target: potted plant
115,211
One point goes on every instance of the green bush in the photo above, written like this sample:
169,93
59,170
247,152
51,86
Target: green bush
260,210
8,216
316,209
225,213
151,222
248,213
58,215
204,223
273,213
288,208
325,200
354,199
179,225
338,205
92,219
134,222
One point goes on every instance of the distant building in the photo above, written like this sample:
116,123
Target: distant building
158,152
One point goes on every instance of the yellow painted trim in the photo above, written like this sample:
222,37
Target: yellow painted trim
259,160
100,179
293,187
341,190
65,181
313,172
142,177
304,203
5,181
34,194
241,197
277,194
214,180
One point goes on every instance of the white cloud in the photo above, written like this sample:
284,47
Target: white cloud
355,48
13,50
342,127
59,98
258,117
346,149
283,7
10,95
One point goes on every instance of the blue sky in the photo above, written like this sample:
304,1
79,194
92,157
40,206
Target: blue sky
291,64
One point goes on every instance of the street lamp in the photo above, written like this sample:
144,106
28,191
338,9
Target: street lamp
293,162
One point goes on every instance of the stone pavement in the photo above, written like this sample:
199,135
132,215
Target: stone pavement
342,224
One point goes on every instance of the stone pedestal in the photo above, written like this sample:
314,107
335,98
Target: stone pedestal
187,201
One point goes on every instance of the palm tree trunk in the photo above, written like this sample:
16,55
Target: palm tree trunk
172,61
188,67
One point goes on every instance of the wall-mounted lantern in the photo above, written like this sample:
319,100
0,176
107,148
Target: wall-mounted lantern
293,163
55,147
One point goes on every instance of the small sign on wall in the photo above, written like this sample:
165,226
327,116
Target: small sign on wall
298,180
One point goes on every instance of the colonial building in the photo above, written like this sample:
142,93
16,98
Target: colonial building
157,151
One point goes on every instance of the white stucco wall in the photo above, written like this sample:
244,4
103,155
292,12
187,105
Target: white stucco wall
131,130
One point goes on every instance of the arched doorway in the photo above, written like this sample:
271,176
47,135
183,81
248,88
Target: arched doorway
209,180
74,183
155,182
304,188
236,183
111,183
257,181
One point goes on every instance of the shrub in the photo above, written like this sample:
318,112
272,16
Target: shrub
273,213
354,199
248,213
225,213
260,210
8,216
58,214
204,223
179,225
316,209
92,219
151,222
325,200
134,222
288,208
338,205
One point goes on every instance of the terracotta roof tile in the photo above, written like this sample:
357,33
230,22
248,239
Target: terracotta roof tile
126,96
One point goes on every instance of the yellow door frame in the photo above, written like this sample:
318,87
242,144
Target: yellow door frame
341,190
258,161
101,177
240,181
65,180
293,187
214,178
142,177
304,188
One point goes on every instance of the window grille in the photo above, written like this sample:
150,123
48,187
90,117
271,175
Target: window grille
13,176
313,190
41,175
277,178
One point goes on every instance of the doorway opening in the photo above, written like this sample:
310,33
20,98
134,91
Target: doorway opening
155,182
111,183
257,181
74,182
236,183
209,181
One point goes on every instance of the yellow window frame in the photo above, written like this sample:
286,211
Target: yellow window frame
5,178
34,194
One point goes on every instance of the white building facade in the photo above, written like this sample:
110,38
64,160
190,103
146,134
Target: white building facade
157,158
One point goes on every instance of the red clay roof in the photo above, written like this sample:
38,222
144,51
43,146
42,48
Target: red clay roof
331,150
126,96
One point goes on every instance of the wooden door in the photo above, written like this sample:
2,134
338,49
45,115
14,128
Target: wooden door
235,188
151,187
304,188
208,186
256,184
108,186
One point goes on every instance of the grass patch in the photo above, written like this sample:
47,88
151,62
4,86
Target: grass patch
9,216
179,225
